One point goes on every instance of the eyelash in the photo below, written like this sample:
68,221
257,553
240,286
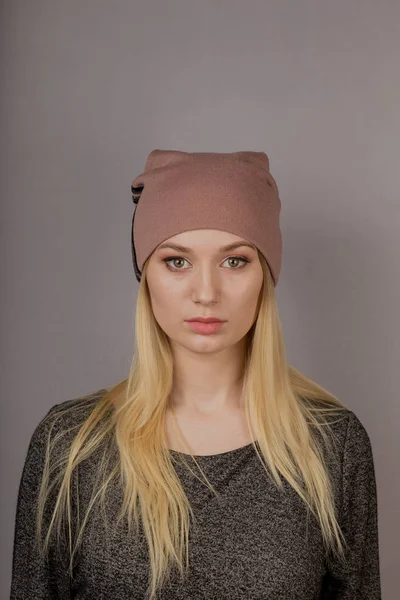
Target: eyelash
169,258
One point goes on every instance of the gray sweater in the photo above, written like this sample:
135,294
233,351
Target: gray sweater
252,542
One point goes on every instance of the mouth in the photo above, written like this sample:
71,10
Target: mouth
205,328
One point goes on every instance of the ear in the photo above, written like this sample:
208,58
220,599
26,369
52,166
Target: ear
257,158
161,158
155,160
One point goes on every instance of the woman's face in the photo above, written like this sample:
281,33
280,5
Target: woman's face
203,280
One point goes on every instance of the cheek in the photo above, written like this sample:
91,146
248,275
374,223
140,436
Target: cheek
246,306
248,295
165,305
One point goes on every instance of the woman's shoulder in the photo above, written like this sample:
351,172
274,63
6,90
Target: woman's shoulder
339,418
349,426
351,441
65,416
356,443
72,406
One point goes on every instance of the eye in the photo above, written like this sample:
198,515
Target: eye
176,258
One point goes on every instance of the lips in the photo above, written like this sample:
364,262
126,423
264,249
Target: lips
205,328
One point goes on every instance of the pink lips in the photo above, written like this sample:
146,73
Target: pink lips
205,328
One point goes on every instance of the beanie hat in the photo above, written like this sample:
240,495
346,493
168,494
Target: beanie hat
181,191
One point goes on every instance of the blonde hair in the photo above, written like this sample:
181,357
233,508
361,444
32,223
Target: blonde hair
284,410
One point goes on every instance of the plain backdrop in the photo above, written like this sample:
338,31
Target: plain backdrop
90,87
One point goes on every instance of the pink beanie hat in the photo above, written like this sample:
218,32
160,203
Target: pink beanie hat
181,191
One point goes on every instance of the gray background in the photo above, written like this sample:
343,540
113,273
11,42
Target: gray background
89,88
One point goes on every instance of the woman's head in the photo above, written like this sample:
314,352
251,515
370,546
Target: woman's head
192,274
190,191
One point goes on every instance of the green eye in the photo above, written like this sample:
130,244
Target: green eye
173,258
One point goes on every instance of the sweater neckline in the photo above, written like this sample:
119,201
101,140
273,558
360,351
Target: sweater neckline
226,454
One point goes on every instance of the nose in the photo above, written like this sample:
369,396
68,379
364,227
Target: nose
206,286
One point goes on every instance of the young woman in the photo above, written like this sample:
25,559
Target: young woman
215,470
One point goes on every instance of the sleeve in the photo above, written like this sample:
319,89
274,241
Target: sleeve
34,577
358,578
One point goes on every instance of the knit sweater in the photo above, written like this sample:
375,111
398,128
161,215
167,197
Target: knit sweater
253,541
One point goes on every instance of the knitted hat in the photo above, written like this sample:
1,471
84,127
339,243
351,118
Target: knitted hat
181,191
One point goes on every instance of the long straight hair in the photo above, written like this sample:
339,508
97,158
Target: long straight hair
285,412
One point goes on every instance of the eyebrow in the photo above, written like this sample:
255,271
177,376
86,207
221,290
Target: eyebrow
227,248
